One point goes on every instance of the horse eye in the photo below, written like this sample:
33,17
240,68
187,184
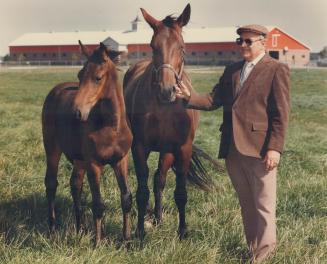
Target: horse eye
97,79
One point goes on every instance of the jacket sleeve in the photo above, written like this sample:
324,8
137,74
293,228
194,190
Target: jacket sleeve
209,101
280,108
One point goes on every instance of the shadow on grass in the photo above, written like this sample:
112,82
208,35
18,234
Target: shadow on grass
29,216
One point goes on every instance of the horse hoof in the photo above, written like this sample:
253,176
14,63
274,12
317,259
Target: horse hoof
96,243
140,234
157,222
52,230
127,237
182,234
81,231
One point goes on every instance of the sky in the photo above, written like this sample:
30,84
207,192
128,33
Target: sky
306,20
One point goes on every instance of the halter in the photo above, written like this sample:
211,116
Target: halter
178,76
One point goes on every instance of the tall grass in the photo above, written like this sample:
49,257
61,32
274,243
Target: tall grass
215,229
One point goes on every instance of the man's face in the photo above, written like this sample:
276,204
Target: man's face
250,52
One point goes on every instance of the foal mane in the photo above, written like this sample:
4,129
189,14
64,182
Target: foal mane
97,57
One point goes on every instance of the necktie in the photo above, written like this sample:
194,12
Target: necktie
245,73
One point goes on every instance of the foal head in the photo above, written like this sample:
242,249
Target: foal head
168,52
97,79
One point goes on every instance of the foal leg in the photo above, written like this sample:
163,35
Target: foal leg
121,171
94,171
140,156
159,182
51,183
180,194
76,185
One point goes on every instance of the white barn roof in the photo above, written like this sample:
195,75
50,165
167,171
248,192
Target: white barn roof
123,38
141,36
60,38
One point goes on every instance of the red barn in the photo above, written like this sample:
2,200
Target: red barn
204,46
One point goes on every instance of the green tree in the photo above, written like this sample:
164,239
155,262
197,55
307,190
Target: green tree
7,57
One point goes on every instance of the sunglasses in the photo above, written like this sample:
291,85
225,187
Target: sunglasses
248,42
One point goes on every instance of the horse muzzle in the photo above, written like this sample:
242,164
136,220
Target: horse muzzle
167,94
81,115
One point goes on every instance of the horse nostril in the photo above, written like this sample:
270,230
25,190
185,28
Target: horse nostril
78,114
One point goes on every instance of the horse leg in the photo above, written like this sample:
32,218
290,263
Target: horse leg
51,183
121,171
159,182
94,171
182,166
140,156
76,185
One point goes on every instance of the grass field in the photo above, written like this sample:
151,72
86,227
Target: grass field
214,222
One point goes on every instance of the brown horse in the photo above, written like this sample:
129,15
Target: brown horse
159,121
87,122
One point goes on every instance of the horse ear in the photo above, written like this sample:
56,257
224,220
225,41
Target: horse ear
104,48
149,19
184,18
84,49
105,51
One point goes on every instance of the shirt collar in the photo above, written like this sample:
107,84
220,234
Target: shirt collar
256,60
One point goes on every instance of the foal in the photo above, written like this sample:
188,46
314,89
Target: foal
87,122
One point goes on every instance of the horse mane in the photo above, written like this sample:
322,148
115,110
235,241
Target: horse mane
96,57
169,21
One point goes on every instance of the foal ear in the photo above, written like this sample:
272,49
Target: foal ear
104,48
184,18
105,51
149,19
84,50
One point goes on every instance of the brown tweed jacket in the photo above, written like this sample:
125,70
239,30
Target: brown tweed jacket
256,117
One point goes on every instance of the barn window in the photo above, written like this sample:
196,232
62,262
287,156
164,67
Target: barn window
34,55
233,52
193,53
219,53
64,54
205,53
14,54
44,54
274,40
53,54
144,54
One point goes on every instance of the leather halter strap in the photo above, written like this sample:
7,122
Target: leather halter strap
178,76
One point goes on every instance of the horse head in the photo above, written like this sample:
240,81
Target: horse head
168,50
95,78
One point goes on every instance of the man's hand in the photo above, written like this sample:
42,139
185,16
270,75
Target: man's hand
271,159
182,91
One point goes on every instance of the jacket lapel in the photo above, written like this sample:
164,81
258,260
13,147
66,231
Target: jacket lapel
254,73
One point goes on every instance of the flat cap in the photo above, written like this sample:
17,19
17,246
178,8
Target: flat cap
258,29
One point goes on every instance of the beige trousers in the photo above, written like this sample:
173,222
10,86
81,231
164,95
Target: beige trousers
256,190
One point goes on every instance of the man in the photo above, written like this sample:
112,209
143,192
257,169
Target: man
255,97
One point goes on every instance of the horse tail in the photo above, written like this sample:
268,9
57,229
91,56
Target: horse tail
198,175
